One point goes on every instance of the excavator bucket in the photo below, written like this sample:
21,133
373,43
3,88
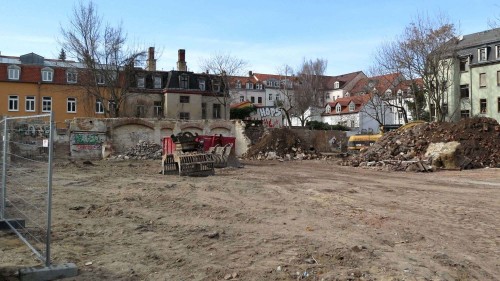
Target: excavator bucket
200,164
221,154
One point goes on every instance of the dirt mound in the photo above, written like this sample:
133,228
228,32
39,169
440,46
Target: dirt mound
280,143
479,140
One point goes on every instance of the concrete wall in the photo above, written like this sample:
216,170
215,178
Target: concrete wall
86,135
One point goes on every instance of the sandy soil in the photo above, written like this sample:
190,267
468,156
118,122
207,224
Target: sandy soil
311,220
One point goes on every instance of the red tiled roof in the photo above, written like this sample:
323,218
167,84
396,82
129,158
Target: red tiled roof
241,104
342,79
380,83
359,102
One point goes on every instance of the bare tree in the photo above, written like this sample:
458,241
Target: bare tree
223,66
309,91
106,66
286,103
424,50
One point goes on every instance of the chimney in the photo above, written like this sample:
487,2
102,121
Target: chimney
181,63
250,73
151,59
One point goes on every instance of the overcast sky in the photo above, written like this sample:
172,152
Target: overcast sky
267,34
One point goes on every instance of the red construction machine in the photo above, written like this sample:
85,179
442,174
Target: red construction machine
195,155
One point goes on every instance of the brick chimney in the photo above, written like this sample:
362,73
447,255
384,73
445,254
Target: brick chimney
181,63
250,73
151,59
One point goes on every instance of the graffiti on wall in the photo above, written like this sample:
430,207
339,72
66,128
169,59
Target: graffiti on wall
87,140
271,117
32,130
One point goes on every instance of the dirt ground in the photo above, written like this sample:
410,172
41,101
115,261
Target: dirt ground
310,220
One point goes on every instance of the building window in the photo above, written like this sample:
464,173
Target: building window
497,52
270,97
46,104
353,124
158,109
444,109
351,106
99,78
338,108
482,54
482,80
141,82
259,99
13,103
99,109
328,109
201,84
464,113
336,85
464,91
47,74
71,105
184,99
14,72
184,115
498,104
252,99
112,106
242,98
30,103
238,84
216,111
482,106
157,82
216,86
258,86
249,86
139,111
464,64
498,78
71,77
184,81
203,110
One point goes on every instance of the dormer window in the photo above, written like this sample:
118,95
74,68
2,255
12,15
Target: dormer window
497,52
258,86
238,84
99,79
249,85
14,72
269,83
71,77
184,81
328,109
338,108
336,85
47,74
351,106
216,86
201,84
157,82
141,82
482,54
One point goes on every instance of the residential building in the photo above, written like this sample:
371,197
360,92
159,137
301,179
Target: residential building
475,76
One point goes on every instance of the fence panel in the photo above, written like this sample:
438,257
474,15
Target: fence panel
27,149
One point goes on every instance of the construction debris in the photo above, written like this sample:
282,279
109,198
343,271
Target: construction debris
469,143
143,150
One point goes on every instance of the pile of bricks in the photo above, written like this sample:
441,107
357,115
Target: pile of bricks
143,150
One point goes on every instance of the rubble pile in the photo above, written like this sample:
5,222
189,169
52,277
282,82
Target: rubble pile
141,151
281,144
478,146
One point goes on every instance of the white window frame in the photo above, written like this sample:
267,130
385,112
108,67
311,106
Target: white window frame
71,105
336,85
46,104
249,86
352,106
258,86
328,109
99,108
141,82
29,103
157,108
13,103
217,111
270,97
242,98
497,52
72,77
238,84
14,72
99,78
481,75
480,52
47,74
201,84
157,82
338,108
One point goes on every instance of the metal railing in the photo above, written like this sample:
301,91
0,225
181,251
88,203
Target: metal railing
26,180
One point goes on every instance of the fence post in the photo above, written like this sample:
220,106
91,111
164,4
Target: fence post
4,170
49,189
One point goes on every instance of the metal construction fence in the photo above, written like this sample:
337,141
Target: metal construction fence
26,180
